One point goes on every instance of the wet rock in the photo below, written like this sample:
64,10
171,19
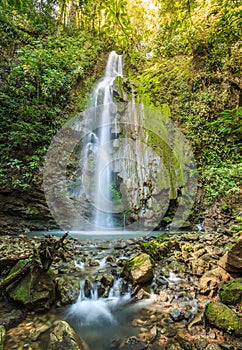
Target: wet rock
104,245
131,343
141,268
139,293
120,245
9,319
134,344
231,293
176,315
107,280
63,337
232,260
68,288
35,289
177,267
2,337
222,317
87,288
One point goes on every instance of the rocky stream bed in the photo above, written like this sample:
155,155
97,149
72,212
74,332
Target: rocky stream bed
175,291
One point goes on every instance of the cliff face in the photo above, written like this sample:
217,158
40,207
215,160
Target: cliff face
154,163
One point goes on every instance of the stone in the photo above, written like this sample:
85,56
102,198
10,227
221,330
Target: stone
120,245
232,260
68,288
158,250
63,337
2,337
176,315
213,346
211,280
170,332
222,317
35,290
231,293
107,280
10,318
141,268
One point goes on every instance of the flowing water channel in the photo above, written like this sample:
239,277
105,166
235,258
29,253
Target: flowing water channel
101,320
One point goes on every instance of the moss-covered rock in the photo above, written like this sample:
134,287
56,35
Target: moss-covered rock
221,316
158,250
2,336
35,289
231,293
141,268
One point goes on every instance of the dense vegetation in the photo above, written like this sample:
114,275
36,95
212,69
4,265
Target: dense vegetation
186,53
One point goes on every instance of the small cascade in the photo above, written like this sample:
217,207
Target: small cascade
92,309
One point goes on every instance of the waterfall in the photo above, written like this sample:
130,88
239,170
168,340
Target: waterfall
99,119
103,95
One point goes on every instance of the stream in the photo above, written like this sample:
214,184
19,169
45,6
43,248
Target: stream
100,320
108,311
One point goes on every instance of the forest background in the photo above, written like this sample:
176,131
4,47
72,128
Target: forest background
184,53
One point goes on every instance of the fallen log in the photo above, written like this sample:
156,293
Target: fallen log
15,276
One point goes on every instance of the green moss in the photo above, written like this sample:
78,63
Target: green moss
31,211
2,337
186,247
158,250
231,293
137,261
221,316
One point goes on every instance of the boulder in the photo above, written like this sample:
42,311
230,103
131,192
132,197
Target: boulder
231,293
10,318
211,280
222,317
232,260
63,337
68,288
141,268
2,337
35,289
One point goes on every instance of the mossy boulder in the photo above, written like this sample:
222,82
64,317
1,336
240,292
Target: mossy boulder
140,268
157,249
231,293
35,289
2,337
222,317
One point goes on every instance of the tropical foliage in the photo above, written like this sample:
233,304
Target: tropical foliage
186,53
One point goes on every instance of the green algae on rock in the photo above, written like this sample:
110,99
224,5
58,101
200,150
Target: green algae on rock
221,316
34,289
141,268
231,292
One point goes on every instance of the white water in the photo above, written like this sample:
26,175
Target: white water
102,101
99,320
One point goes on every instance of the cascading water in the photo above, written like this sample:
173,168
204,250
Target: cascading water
97,146
103,95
